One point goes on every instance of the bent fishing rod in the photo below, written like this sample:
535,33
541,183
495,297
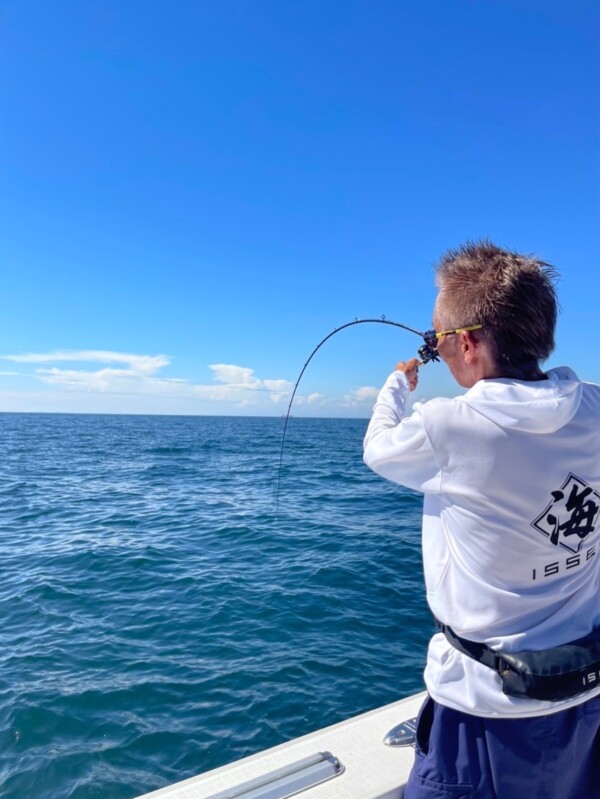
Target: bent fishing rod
427,352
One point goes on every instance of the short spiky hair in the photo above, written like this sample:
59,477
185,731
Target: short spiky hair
513,296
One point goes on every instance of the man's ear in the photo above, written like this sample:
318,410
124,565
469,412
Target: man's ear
468,345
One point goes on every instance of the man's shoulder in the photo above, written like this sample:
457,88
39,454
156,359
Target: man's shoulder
439,407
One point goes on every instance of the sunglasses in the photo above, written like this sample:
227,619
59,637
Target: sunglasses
432,338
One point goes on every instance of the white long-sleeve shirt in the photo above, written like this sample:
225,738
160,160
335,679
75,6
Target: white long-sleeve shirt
511,521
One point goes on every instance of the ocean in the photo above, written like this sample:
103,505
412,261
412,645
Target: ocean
160,619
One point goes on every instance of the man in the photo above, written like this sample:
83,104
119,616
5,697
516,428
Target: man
511,538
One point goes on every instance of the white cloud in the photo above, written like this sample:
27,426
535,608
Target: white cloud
140,376
365,393
238,376
134,383
278,385
108,380
361,396
138,364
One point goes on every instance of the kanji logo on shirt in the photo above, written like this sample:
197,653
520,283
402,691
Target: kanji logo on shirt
571,516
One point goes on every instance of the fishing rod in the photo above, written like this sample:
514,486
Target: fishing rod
427,352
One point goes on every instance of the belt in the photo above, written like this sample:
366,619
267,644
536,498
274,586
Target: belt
550,674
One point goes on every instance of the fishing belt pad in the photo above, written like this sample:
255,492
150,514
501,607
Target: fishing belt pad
557,673
551,674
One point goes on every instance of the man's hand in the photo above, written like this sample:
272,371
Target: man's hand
411,370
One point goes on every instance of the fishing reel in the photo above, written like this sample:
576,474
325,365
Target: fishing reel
428,352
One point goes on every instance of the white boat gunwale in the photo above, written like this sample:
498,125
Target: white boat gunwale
371,770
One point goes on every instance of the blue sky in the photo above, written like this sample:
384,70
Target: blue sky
194,192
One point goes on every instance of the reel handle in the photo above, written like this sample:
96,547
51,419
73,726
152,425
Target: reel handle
427,353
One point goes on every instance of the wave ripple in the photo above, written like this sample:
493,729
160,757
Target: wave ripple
159,620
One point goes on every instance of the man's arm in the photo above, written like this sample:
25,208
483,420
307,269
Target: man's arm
396,446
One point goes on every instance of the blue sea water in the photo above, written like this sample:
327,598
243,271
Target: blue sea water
159,619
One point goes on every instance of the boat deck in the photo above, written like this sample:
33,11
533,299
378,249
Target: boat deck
371,770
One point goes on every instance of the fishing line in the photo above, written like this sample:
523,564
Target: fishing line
425,353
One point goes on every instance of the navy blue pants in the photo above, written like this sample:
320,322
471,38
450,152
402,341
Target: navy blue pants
459,756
